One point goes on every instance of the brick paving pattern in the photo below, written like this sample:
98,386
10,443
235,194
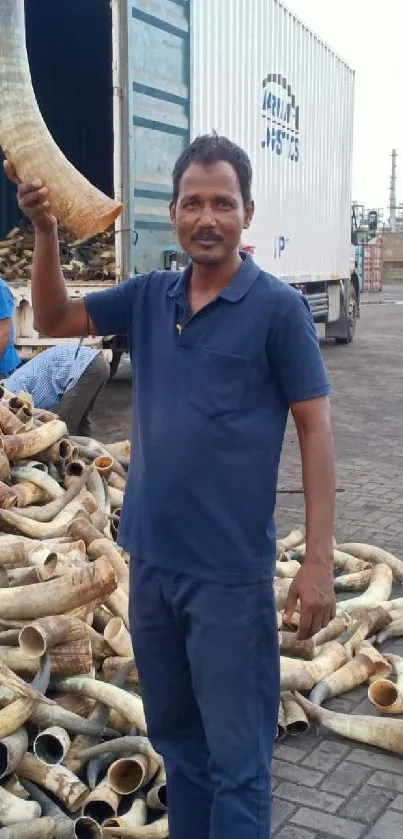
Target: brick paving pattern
325,787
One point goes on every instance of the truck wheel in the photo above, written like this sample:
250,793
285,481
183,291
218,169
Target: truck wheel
352,317
117,355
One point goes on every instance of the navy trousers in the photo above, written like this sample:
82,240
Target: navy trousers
208,662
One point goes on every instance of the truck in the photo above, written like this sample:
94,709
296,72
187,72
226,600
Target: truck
124,85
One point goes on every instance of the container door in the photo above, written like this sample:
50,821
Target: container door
155,60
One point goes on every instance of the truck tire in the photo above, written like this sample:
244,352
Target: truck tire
352,317
117,355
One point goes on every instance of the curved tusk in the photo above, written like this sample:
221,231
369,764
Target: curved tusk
135,817
386,734
375,555
385,694
27,142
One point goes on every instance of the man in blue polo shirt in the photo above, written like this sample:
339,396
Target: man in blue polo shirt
8,356
220,354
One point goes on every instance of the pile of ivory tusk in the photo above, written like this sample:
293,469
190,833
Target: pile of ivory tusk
75,760
349,652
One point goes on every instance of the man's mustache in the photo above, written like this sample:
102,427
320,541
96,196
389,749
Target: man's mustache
206,236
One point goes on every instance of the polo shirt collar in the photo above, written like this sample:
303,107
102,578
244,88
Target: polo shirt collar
239,286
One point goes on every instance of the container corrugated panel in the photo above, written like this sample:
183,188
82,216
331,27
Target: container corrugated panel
393,247
263,79
159,76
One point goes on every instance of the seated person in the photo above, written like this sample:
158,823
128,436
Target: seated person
9,359
66,379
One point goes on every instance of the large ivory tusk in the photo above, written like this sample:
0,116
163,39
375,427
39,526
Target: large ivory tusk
296,720
102,803
93,582
49,809
139,745
128,774
28,494
349,564
363,624
12,750
97,545
117,482
4,464
293,540
134,818
290,645
330,657
348,677
13,553
374,555
20,446
157,795
56,779
333,630
9,423
116,497
122,448
8,497
129,704
13,809
118,637
287,568
51,745
23,577
156,830
86,828
46,716
69,659
295,677
386,734
26,141
53,508
394,630
112,665
16,713
100,713
383,668
378,590
41,635
31,829
281,589
386,695
14,785
104,465
355,581
40,479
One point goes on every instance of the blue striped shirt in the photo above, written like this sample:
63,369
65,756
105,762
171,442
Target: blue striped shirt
50,374
9,360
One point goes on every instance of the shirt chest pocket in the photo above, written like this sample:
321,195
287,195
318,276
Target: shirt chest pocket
220,384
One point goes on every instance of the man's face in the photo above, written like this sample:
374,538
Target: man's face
210,215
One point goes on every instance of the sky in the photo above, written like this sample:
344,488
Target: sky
368,34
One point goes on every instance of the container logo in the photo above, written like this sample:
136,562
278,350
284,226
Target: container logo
280,115
280,244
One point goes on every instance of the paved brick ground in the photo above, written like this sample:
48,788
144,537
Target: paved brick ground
325,787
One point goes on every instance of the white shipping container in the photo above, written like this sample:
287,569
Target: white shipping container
262,78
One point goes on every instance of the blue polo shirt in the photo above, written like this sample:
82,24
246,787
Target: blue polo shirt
9,360
211,394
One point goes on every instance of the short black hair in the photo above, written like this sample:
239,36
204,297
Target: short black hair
208,149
